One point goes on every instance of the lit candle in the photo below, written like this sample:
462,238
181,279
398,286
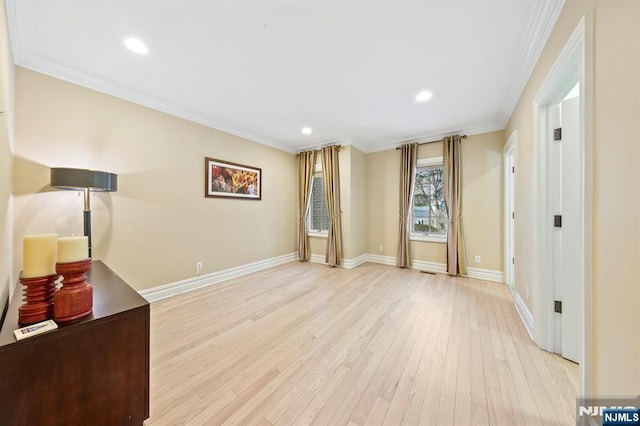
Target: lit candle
39,254
73,249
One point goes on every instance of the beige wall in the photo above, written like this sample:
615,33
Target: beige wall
345,201
382,177
154,229
352,200
359,234
481,200
616,229
6,160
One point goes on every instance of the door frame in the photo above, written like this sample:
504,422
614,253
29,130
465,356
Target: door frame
575,62
509,157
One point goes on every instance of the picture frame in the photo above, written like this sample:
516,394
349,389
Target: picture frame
224,179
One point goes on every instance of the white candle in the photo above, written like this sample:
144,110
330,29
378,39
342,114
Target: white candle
39,254
73,249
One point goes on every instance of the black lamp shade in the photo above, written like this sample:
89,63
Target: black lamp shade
79,179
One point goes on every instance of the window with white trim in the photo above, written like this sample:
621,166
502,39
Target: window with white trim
428,212
318,214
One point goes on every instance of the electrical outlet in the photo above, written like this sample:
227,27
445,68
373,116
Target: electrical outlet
477,259
199,266
381,248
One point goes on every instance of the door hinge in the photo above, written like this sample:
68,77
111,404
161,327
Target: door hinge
557,221
557,306
557,134
513,169
513,260
513,215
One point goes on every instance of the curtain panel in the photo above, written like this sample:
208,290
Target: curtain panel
306,168
409,153
456,254
331,175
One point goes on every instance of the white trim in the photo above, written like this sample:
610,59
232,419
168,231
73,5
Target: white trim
422,265
172,289
317,258
50,66
441,268
316,234
354,263
430,238
485,274
543,19
576,58
383,260
385,146
430,161
510,150
344,263
178,287
586,112
525,314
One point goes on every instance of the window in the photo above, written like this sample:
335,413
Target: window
318,213
429,214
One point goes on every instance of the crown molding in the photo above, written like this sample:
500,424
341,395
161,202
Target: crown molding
491,127
49,66
543,19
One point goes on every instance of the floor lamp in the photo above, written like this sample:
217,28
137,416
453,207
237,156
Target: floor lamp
87,181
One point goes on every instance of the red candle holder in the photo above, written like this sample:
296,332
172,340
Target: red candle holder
39,295
75,299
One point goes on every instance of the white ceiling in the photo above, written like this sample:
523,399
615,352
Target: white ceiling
264,69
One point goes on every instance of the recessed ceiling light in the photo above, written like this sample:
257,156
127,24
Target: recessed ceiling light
135,45
307,130
424,96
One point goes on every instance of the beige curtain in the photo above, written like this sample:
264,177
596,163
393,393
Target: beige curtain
409,154
306,168
331,177
456,257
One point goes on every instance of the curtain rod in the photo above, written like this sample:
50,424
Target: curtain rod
439,140
319,149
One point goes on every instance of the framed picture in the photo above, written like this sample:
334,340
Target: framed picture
231,180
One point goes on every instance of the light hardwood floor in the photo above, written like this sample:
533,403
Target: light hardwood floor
307,344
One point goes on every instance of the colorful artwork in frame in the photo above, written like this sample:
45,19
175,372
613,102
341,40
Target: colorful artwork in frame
231,180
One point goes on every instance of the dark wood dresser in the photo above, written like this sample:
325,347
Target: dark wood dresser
93,371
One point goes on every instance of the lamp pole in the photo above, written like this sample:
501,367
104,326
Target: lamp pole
87,181
87,217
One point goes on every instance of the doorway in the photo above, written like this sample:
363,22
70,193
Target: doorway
509,167
563,220
565,201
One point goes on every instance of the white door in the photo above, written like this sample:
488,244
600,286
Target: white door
510,195
565,200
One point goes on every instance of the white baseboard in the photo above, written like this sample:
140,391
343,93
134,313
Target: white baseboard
354,263
478,273
172,289
525,314
344,263
422,265
383,260
317,258
485,274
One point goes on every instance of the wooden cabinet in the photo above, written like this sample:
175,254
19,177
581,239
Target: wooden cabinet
93,371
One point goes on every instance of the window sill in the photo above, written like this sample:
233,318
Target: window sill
428,238
318,234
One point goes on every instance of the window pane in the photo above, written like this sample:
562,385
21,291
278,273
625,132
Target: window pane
429,212
318,214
